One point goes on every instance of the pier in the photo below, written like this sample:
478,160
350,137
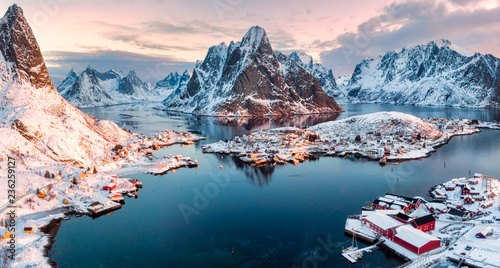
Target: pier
353,256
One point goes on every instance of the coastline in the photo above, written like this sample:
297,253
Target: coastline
51,230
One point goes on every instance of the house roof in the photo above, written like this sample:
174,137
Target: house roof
403,216
456,212
383,221
424,220
414,236
388,212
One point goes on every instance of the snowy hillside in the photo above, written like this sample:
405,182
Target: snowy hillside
385,123
324,76
37,124
246,78
438,73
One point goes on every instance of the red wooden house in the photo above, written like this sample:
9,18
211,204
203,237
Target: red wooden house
415,240
465,189
468,199
109,187
382,224
425,223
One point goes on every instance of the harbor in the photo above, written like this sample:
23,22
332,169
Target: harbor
464,227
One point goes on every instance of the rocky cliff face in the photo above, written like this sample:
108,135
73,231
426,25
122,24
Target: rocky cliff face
37,125
324,75
19,47
247,79
438,73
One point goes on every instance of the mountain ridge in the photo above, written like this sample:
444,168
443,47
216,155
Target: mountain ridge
246,78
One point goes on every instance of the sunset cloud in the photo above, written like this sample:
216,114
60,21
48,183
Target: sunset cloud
177,33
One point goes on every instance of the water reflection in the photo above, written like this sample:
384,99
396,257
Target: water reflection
263,123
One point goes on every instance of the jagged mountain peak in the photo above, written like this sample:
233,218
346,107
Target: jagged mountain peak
249,79
72,72
441,43
254,38
18,46
302,58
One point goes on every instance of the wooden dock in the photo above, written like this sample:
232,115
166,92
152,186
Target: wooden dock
353,255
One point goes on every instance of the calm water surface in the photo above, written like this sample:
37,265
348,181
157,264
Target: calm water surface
280,216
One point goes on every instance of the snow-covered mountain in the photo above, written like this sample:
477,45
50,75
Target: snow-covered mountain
92,88
343,80
37,126
324,75
438,73
246,78
173,84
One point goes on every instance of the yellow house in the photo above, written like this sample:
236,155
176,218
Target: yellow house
8,235
29,229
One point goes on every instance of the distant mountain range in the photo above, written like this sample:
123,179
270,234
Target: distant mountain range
92,88
37,125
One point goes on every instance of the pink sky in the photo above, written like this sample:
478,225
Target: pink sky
158,36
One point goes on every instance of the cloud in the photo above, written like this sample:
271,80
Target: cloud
410,23
160,30
150,68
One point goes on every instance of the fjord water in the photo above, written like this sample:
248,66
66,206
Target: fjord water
283,216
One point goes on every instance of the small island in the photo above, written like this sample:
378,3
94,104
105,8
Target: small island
384,136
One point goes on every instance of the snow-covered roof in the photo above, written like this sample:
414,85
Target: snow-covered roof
414,236
386,212
383,221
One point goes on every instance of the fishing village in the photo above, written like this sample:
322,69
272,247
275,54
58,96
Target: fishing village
461,224
399,140
93,191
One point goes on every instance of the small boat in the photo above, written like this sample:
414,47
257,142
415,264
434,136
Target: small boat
353,247
383,161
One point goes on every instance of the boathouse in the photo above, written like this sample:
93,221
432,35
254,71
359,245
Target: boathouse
109,187
425,224
415,240
382,224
